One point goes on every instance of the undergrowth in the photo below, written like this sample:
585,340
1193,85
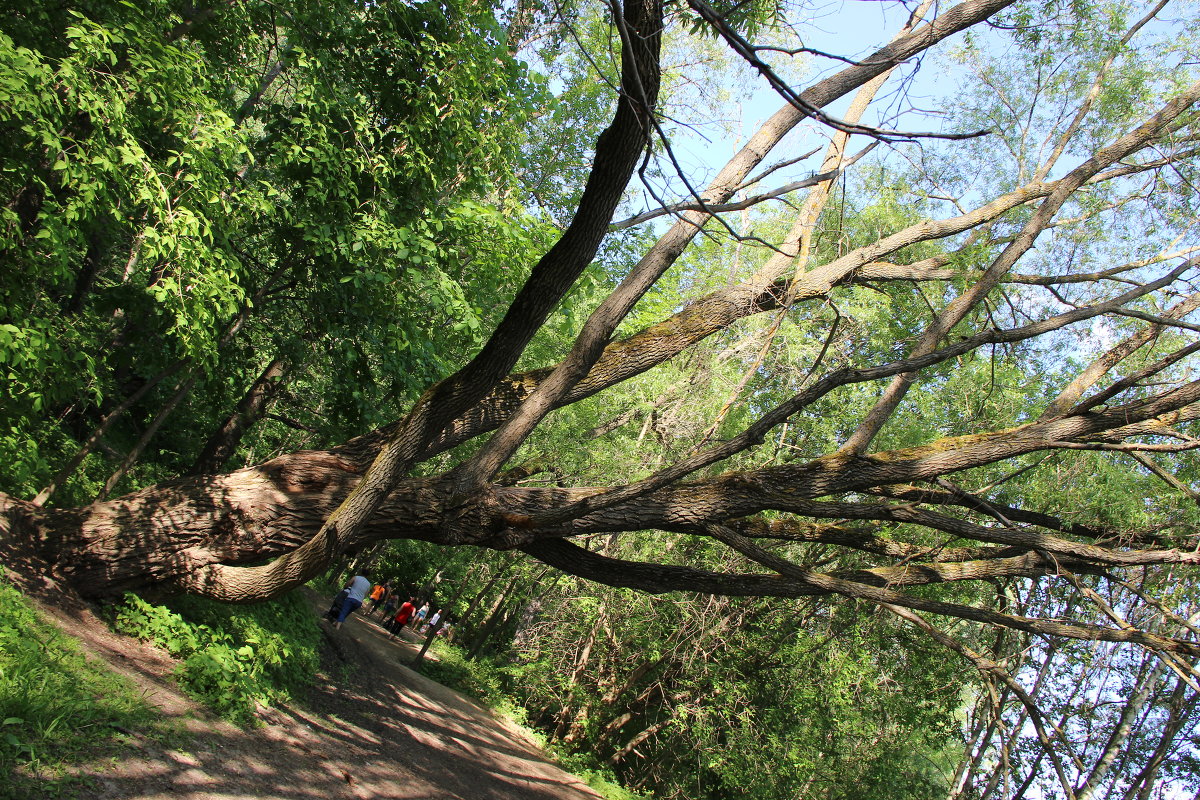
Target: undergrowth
56,705
232,656
490,682
481,678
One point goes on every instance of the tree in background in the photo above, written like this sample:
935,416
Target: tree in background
205,214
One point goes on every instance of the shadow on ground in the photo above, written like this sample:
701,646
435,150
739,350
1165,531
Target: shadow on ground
372,728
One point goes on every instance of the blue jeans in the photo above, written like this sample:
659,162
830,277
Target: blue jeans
348,607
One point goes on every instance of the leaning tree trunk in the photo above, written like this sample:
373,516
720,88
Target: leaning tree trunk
250,409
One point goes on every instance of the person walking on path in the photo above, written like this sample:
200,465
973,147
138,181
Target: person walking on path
420,617
378,595
403,616
356,592
389,608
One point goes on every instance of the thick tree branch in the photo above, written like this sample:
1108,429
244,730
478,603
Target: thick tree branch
986,616
1163,122
617,153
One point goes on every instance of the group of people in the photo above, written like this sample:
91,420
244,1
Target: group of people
420,614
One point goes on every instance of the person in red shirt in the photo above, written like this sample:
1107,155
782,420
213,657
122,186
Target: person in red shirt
403,616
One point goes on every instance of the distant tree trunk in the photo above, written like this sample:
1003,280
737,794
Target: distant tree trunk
622,713
1180,708
482,630
468,615
570,719
93,440
93,262
367,558
460,588
500,612
1130,712
250,409
962,774
585,652
433,632
629,747
640,704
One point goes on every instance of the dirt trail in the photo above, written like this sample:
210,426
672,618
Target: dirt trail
386,732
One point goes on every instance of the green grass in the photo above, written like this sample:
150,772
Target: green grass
603,783
57,707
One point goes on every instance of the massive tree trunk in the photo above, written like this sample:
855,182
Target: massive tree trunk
160,534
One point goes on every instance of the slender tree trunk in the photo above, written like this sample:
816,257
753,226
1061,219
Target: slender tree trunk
962,772
93,440
640,704
573,716
1179,711
469,614
231,330
507,606
1129,715
461,587
493,616
181,391
250,410
93,262
585,652
433,632
620,755
367,558
1030,775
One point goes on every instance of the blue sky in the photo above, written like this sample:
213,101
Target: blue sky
851,29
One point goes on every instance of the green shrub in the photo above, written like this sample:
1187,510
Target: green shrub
600,779
54,701
233,656
482,678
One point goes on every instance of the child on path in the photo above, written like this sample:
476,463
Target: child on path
378,595
389,608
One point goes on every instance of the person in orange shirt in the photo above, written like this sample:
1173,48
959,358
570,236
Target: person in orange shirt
378,595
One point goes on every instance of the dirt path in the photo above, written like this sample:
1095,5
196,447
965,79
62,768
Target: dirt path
386,732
